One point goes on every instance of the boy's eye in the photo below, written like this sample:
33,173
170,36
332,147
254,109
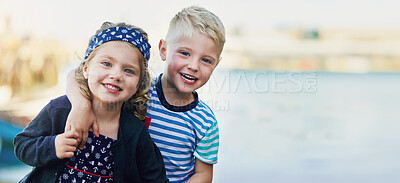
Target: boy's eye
206,60
106,64
185,53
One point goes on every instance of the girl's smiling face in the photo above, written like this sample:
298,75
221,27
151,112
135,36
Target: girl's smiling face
114,72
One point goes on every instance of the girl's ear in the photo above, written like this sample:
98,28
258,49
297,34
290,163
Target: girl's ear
162,48
85,71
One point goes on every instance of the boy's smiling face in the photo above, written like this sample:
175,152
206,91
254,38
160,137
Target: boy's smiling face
189,61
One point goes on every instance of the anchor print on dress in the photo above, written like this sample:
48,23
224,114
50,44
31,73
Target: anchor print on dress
71,171
95,159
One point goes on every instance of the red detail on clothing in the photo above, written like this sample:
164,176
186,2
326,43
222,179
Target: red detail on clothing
147,121
89,172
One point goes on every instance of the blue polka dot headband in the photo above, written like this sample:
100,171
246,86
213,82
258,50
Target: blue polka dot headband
123,34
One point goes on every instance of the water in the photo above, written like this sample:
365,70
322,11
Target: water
281,127
307,127
13,173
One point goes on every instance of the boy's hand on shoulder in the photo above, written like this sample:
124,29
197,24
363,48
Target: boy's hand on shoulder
81,116
81,120
66,144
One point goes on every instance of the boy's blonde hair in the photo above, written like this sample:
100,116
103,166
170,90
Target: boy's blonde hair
137,102
193,19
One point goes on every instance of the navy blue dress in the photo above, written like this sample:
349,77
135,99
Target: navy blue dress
92,164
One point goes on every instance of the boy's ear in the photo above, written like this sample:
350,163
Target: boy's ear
162,49
219,60
85,71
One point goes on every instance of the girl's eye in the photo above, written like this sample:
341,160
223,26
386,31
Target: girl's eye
185,53
106,64
206,60
129,71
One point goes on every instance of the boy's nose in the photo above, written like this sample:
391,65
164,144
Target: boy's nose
193,64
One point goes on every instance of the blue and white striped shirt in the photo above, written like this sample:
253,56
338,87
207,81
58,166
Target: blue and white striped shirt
182,133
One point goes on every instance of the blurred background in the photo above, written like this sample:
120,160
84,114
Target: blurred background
306,91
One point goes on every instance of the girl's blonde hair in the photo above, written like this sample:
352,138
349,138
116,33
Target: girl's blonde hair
137,102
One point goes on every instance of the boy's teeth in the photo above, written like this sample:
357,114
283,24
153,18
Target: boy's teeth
112,87
189,78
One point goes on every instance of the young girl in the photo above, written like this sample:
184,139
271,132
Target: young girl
115,79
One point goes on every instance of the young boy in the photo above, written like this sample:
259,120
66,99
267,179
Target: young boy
183,127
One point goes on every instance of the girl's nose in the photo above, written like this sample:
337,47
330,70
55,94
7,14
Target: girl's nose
116,76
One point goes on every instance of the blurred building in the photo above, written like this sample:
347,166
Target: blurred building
298,49
29,66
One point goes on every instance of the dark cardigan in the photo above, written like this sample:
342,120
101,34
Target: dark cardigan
136,157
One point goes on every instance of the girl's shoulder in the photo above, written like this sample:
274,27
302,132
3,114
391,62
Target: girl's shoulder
129,121
61,101
58,106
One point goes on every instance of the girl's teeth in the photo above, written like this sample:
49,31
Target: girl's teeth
112,87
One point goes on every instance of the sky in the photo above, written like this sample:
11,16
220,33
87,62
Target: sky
76,20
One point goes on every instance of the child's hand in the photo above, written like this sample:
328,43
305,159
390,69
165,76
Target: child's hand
80,121
81,117
66,144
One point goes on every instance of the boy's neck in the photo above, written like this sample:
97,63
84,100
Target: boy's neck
173,96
